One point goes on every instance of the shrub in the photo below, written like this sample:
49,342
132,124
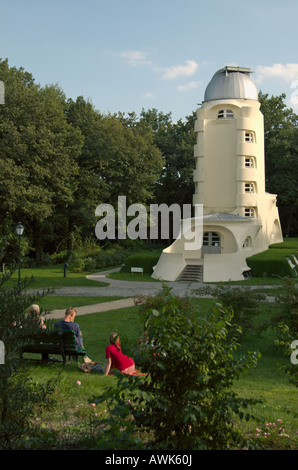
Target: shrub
271,263
146,260
288,306
19,395
78,265
287,342
110,257
185,401
244,302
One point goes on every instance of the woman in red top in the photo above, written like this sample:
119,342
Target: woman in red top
116,359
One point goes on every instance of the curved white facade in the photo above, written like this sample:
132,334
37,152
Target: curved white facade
239,217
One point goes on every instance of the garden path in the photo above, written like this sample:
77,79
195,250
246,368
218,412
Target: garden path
130,290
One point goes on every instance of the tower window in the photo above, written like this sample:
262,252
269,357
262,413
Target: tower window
249,212
249,188
225,113
249,137
249,162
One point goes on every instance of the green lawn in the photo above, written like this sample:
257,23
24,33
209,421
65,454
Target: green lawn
73,411
53,276
76,390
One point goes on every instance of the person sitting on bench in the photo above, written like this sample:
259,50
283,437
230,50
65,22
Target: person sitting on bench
68,323
34,314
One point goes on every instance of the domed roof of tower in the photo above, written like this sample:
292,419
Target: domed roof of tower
231,83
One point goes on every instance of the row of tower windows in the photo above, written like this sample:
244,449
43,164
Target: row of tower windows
249,162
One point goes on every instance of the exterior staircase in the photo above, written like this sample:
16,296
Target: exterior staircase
191,273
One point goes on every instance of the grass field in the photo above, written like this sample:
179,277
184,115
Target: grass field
68,424
74,408
53,276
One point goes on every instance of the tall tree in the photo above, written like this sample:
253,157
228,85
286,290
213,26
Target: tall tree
118,158
281,158
38,150
176,142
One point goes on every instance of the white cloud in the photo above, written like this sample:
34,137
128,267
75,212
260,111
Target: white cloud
136,57
170,73
188,86
287,72
149,95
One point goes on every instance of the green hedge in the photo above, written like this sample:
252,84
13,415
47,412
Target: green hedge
145,260
272,262
287,244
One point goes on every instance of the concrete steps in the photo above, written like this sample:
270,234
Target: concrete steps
191,273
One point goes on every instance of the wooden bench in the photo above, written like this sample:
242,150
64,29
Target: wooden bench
61,342
137,270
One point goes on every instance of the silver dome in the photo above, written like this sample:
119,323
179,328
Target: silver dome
231,83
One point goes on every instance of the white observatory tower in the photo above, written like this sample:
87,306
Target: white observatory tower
239,218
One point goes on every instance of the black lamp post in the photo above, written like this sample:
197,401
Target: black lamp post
19,230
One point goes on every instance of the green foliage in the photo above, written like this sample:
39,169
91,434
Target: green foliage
287,243
20,396
96,158
288,307
271,262
281,162
186,400
287,342
244,302
175,142
35,138
146,260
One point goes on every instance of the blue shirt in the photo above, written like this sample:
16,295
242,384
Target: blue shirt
69,325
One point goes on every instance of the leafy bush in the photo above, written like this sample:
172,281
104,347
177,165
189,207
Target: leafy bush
104,259
271,262
146,260
78,266
287,342
244,302
288,306
19,395
185,401
110,257
288,243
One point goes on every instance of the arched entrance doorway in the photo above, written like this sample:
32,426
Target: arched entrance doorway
211,243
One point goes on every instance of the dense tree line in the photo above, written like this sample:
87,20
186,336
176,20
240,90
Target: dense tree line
281,158
61,158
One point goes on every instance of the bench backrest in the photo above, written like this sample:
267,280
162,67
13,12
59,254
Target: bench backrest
55,337
69,338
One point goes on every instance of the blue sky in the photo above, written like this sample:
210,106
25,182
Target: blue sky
134,54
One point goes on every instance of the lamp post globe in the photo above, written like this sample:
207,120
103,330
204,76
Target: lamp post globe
19,231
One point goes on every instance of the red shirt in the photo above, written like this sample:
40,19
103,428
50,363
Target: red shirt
119,360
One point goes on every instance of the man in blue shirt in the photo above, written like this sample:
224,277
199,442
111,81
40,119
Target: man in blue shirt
68,324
